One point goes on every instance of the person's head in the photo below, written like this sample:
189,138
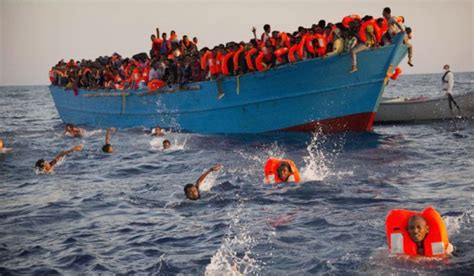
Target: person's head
191,192
166,144
322,23
107,148
195,40
157,130
164,36
69,127
386,13
153,37
417,228
284,171
446,67
266,28
43,165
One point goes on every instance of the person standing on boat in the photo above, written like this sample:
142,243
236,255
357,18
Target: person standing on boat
448,84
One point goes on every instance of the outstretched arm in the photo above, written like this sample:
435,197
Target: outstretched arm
66,152
204,175
254,33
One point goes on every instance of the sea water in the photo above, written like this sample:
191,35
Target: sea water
126,213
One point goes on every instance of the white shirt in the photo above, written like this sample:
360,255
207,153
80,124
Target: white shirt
448,82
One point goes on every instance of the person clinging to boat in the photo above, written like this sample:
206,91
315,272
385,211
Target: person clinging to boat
417,233
107,148
74,131
48,166
448,85
191,191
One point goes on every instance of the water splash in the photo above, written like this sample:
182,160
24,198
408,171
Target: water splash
316,163
454,224
177,143
208,182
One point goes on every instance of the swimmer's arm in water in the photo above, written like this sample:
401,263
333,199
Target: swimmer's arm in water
66,152
204,175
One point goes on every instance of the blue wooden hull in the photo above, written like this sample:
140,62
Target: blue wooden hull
301,96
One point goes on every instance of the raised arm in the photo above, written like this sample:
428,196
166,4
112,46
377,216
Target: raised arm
254,31
108,134
204,175
66,152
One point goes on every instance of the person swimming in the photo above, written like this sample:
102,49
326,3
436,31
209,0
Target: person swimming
280,170
191,191
158,132
48,167
107,148
166,144
73,131
3,149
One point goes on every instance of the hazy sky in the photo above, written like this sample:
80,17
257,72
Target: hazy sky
34,35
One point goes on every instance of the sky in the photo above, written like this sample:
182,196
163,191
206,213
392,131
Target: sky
36,34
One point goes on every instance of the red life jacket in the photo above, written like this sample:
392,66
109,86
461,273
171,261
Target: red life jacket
377,30
348,19
308,40
321,48
279,53
235,59
259,62
291,53
204,60
225,60
271,167
399,242
154,84
248,59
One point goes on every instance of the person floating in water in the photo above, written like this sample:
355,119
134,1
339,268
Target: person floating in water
166,144
107,148
281,170
73,131
3,149
192,190
48,167
448,85
417,234
158,132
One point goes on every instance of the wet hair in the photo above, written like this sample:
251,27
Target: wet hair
387,10
106,147
40,163
187,190
281,167
69,125
166,142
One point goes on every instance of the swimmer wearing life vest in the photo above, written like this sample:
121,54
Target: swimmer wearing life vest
417,234
281,170
192,190
48,167
73,131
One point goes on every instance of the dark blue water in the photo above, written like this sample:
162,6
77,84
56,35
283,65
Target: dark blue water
126,212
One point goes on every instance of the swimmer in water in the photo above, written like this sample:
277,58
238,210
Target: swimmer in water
73,131
166,144
192,190
158,132
418,229
107,148
48,167
2,148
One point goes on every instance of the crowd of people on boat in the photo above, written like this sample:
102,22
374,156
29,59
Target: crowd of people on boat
176,61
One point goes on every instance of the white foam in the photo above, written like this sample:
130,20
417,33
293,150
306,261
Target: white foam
6,150
177,143
456,223
208,182
315,167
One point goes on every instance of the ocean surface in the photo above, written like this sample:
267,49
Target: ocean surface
125,213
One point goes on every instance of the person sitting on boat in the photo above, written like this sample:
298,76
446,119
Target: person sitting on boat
107,148
166,144
338,43
448,85
417,233
48,167
280,170
191,191
73,131
367,39
394,26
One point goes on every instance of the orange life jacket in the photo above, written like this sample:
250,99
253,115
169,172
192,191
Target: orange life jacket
219,58
146,73
154,84
225,60
248,59
384,27
279,53
51,76
400,19
291,53
204,60
308,40
300,50
377,30
322,44
271,167
396,74
212,62
236,58
285,40
399,242
348,19
259,62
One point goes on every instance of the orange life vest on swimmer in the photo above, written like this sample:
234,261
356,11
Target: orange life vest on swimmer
322,44
271,175
235,58
348,19
377,30
279,53
248,58
225,65
154,84
399,242
259,62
